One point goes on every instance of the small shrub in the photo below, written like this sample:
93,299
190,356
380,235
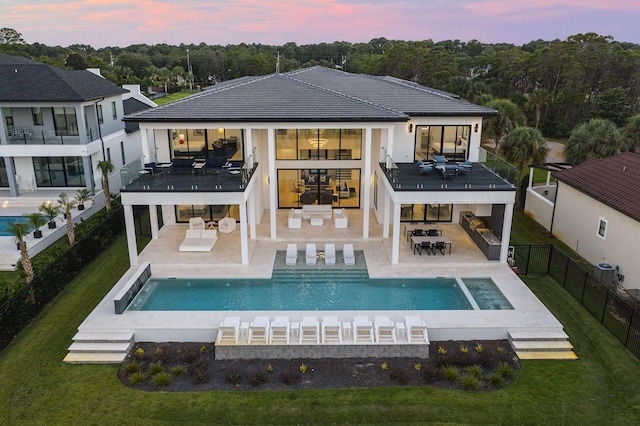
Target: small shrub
139,354
303,368
289,377
451,373
270,368
200,371
417,366
161,380
178,371
155,368
443,358
470,382
160,355
479,349
233,376
132,367
430,374
189,356
506,370
496,380
258,377
399,375
137,378
384,366
203,349
473,370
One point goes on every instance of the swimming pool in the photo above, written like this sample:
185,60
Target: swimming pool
318,291
6,220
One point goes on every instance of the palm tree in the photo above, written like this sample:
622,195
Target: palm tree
631,134
67,204
523,147
36,220
82,196
19,230
597,138
538,99
51,211
106,167
509,117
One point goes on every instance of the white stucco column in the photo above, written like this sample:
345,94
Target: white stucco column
385,215
82,123
131,234
530,177
146,154
366,183
248,145
11,176
153,218
272,181
389,145
506,231
88,172
395,242
244,243
252,218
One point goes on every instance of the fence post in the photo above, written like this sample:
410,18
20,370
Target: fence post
584,287
566,271
604,308
551,248
528,260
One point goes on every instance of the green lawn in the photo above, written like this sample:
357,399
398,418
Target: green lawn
171,97
602,387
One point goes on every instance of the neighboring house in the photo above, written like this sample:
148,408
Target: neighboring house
56,125
317,136
597,213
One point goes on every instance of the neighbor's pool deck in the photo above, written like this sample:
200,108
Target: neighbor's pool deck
224,261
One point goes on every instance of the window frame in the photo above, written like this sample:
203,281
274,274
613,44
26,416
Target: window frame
114,110
602,230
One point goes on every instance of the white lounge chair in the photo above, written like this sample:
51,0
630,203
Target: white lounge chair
311,254
309,330
199,240
227,225
331,330
416,330
362,330
228,331
259,330
294,221
330,254
385,329
279,331
292,254
196,223
349,255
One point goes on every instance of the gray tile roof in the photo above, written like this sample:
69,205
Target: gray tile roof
130,106
612,181
24,80
313,94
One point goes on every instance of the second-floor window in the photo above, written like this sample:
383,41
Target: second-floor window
36,114
100,116
65,121
114,111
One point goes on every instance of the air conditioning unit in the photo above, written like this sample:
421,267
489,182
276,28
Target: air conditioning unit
605,273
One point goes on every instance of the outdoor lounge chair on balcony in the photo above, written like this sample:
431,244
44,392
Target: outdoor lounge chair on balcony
425,168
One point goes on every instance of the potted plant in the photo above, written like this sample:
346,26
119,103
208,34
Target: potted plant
51,211
82,196
36,220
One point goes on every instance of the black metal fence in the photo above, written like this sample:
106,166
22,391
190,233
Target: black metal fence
613,312
17,310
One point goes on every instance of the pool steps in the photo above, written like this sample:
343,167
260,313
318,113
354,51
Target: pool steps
541,344
98,347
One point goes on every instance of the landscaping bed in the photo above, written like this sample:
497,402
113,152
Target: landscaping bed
180,367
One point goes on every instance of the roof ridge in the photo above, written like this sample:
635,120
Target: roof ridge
334,92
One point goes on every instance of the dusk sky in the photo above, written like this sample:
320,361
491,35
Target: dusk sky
102,23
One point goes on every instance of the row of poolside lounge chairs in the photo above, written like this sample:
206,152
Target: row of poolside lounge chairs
311,254
281,331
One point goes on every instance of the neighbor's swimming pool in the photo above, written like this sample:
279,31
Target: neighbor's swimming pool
6,220
319,291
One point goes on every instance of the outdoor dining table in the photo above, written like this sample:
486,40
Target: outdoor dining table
416,240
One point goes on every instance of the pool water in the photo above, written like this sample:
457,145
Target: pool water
6,220
317,291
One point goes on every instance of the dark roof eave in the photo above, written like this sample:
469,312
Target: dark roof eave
450,114
266,120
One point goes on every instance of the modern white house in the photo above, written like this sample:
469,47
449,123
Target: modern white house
597,214
319,136
58,124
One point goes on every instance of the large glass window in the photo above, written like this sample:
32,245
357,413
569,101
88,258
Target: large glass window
338,187
426,212
209,213
216,144
318,144
450,141
59,171
36,114
65,121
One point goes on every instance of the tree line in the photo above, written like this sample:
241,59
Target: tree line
556,84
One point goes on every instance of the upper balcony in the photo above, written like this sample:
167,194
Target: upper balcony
27,136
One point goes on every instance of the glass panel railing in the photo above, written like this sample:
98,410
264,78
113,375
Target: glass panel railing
498,166
43,137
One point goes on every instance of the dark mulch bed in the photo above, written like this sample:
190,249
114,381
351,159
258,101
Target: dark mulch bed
492,363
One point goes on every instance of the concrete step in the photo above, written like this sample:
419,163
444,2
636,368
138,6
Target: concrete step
533,335
81,347
104,337
94,358
559,355
541,345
